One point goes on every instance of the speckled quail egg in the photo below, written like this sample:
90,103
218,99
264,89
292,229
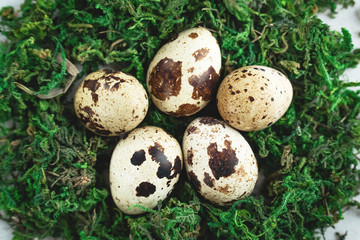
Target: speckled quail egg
254,97
110,103
183,75
219,161
144,167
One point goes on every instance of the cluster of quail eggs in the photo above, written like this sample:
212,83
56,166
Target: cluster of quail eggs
182,79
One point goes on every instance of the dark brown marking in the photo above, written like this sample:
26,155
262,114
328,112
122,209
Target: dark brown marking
189,157
243,76
208,180
193,35
245,90
200,54
262,88
262,69
237,91
177,166
191,130
194,180
270,123
264,117
244,71
205,84
211,121
230,86
115,87
272,99
165,79
92,85
251,98
190,70
89,121
165,166
222,163
184,110
138,157
94,97
145,189
224,189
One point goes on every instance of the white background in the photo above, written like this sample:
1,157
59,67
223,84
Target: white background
348,18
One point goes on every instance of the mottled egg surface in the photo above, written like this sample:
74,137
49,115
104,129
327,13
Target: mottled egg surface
183,76
219,161
144,167
254,97
110,103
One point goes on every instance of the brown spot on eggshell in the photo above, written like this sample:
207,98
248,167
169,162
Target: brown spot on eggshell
251,98
222,163
189,156
193,35
191,70
192,129
165,79
194,180
138,157
115,87
210,121
86,115
145,189
224,189
208,180
185,110
205,84
92,85
94,97
165,166
200,54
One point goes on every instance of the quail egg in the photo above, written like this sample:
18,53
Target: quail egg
144,167
254,97
183,75
110,103
219,161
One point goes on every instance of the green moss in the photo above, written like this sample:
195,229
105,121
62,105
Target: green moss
53,171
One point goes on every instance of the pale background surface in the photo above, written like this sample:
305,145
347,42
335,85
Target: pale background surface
348,18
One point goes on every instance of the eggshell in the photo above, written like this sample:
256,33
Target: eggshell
110,103
183,75
144,167
219,161
254,97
